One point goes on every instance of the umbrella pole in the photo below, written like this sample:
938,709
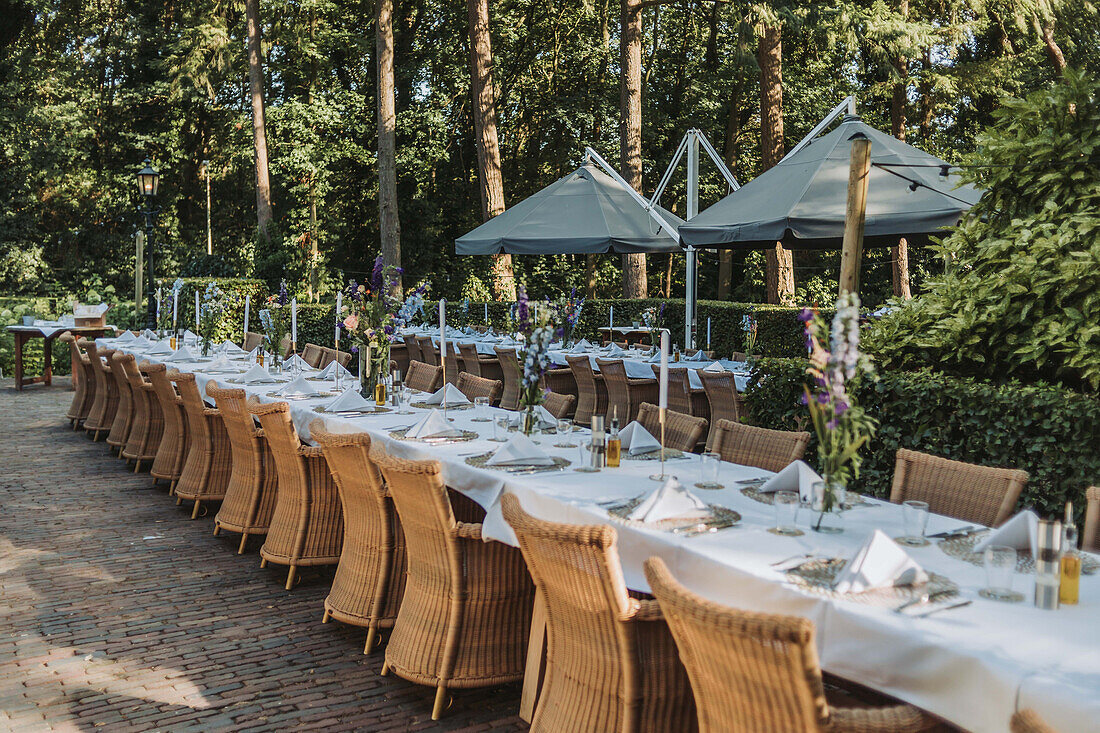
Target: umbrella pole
856,214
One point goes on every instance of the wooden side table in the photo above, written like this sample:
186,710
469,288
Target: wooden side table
23,334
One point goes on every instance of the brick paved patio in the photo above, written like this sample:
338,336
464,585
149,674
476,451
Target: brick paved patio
117,612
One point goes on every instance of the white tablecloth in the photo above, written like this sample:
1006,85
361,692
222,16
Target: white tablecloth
973,666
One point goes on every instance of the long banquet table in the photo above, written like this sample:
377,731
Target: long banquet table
972,666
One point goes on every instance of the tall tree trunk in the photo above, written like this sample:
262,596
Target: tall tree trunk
1054,51
780,265
388,219
488,149
591,261
314,254
927,107
729,155
630,129
898,100
259,122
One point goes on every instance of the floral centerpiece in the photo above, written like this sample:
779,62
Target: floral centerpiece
749,327
537,331
211,311
653,318
842,426
371,324
569,311
275,320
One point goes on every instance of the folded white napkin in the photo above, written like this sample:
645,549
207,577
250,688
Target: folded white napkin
880,563
257,375
252,355
189,335
433,425
349,400
1020,532
454,397
162,347
231,349
330,371
181,354
149,334
543,418
298,387
797,476
519,450
637,440
697,356
581,347
614,350
140,342
671,501
654,358
221,364
714,366
299,363
126,337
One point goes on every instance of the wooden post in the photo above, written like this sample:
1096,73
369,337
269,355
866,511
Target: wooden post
855,217
139,270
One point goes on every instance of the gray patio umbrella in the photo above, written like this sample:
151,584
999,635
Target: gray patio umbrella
801,201
586,212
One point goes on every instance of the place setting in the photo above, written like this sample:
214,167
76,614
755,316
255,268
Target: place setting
433,428
518,455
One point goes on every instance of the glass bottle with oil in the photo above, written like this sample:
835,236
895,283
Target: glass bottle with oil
1070,585
614,443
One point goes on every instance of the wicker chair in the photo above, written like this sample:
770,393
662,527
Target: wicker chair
252,340
307,527
591,390
250,492
771,450
681,397
611,663
429,354
1090,539
1028,721
560,405
971,493
312,354
471,360
168,463
209,459
83,382
148,426
625,394
723,400
466,615
124,413
370,579
560,380
413,348
472,387
759,672
682,432
329,355
454,364
105,404
510,367
423,377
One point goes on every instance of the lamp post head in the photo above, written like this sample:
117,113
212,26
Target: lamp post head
148,179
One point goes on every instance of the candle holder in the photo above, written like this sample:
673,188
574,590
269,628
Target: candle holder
661,476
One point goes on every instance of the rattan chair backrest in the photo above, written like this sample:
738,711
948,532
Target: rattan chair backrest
473,387
283,439
749,671
1028,721
239,424
194,408
329,355
772,450
722,395
471,362
510,368
252,340
972,493
679,388
591,395
559,405
312,354
1090,539
429,354
682,432
423,377
413,348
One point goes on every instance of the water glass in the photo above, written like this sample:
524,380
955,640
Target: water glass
501,422
481,407
709,464
1000,566
786,505
914,515
584,458
404,399
565,428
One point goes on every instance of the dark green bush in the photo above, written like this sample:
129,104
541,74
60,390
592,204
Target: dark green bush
1049,431
235,289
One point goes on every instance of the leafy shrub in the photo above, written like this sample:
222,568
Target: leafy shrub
1046,430
232,322
1021,294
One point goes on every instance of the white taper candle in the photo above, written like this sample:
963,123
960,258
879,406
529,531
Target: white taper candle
663,401
486,313
247,301
708,333
294,321
442,328
339,307
175,297
197,326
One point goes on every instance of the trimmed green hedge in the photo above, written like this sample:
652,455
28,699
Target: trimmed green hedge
235,289
1048,431
779,332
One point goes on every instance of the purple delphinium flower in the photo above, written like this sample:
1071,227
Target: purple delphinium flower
376,275
806,315
283,297
832,424
521,308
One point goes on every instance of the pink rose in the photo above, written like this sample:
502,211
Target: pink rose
351,322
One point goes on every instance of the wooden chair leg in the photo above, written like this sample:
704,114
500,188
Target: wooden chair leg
179,500
372,632
324,619
137,465
440,701
263,562
172,488
244,539
217,529
290,576
195,511
385,668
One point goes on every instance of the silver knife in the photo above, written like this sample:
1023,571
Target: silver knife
960,531
926,614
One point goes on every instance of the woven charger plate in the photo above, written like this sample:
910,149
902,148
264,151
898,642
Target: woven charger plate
718,517
818,576
426,406
376,411
466,435
962,548
754,493
482,461
671,454
314,396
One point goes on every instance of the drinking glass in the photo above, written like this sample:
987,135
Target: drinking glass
1000,566
914,515
403,399
501,422
786,505
584,455
481,407
708,471
565,428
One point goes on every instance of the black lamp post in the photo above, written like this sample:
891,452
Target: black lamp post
148,179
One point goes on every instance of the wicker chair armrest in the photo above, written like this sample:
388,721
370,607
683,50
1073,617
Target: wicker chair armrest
866,720
311,451
148,387
467,531
643,610
258,433
210,411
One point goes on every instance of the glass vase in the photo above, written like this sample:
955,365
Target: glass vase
530,420
828,504
276,362
368,376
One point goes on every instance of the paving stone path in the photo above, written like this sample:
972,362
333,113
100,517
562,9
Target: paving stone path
117,612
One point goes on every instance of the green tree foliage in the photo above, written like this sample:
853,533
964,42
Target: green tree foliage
1021,294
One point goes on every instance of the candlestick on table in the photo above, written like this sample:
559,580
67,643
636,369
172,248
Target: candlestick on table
336,340
708,333
486,313
443,348
662,402
175,297
197,326
244,335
